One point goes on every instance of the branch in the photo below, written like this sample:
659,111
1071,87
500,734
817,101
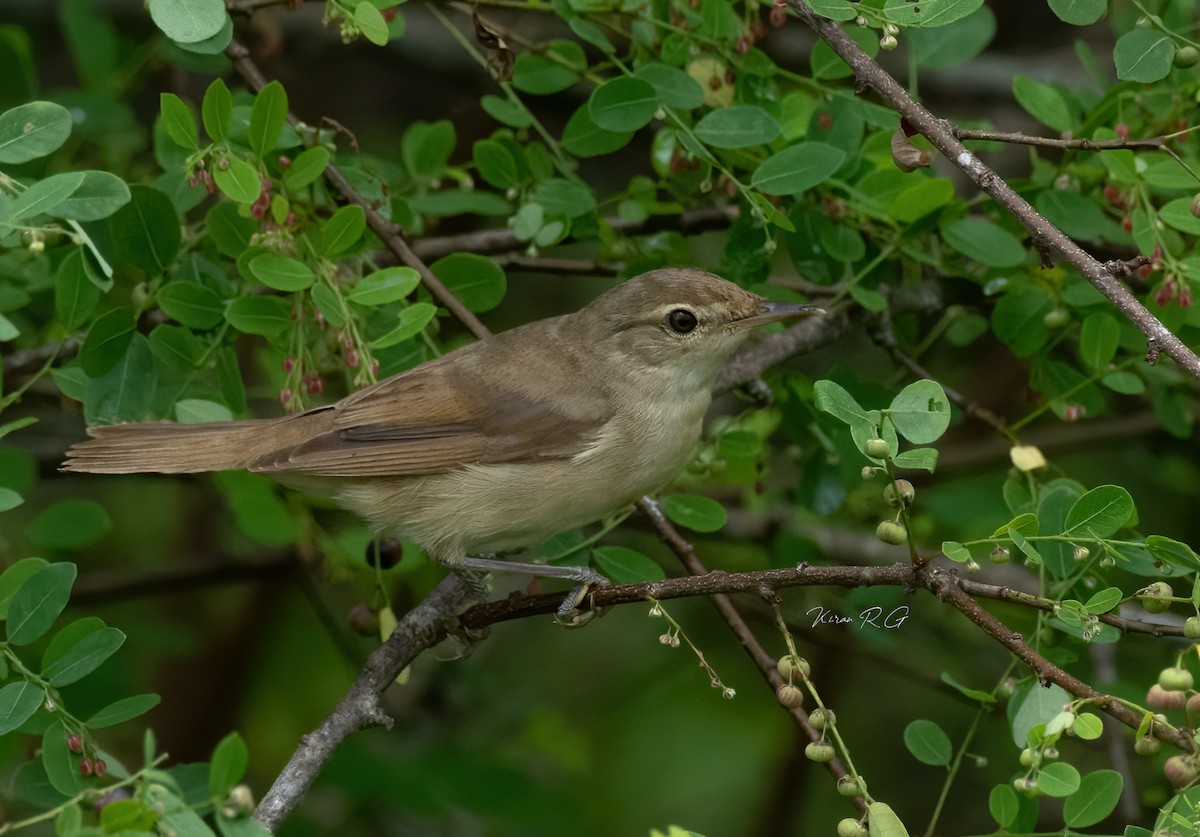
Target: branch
504,240
767,665
422,627
1082,144
1046,237
806,336
34,357
389,233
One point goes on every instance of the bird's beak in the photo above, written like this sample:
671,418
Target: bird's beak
774,311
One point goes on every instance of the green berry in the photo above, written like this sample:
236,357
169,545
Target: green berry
878,449
850,827
1156,597
822,719
790,696
850,786
1175,679
1186,56
901,492
793,668
1147,745
819,752
1191,627
889,531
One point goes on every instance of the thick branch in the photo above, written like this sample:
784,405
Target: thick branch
422,627
1046,237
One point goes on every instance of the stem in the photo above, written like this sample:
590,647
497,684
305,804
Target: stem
958,757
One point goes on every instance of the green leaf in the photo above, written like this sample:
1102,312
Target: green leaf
69,822
188,21
1037,706
512,114
237,179
1144,55
955,551
371,23
200,411
496,163
1019,318
1098,339
216,111
624,103
146,232
1104,600
9,499
587,31
391,284
412,319
67,636
61,767
213,45
125,709
229,762
282,273
834,9
343,230
797,168
44,196
477,281
701,514
1072,213
40,600
1079,12
84,657
985,242
929,13
127,815
98,196
178,122
928,743
558,196
264,315
674,87
1126,383
1100,512
106,342
1058,779
833,399
557,70
192,304
1003,805
75,297
921,412
329,304
69,524
18,702
1087,726
1097,797
13,577
269,115
584,138
737,126
918,458
626,566
956,43
426,148
307,168
883,822
33,130
1044,103
461,202
1164,549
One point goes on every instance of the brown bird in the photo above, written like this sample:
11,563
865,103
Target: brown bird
502,443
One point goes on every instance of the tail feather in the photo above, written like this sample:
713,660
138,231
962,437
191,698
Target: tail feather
169,448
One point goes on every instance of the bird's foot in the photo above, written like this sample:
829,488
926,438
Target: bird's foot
568,614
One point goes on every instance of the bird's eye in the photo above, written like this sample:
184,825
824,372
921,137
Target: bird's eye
682,321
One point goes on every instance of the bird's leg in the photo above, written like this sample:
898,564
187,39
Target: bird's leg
568,612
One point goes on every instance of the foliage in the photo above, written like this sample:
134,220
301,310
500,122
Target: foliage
192,254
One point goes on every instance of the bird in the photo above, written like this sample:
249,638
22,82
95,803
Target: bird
502,443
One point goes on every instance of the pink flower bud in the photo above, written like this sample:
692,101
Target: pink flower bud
285,395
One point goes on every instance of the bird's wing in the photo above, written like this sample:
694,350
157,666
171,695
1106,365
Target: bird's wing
436,418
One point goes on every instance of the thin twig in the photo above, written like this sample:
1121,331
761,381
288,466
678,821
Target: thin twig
1046,237
389,233
1082,144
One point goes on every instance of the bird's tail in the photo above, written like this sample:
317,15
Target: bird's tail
169,448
